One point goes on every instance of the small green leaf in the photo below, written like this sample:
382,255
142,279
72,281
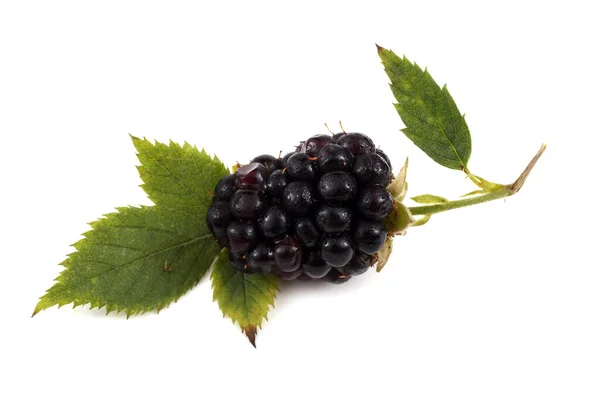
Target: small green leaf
384,253
399,186
432,119
474,192
429,199
134,260
487,186
422,221
245,298
178,177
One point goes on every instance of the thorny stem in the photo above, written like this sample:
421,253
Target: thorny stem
503,192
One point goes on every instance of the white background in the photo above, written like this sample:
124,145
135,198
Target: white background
499,301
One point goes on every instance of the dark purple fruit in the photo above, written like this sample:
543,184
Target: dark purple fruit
307,232
374,202
301,166
334,219
371,169
314,144
260,259
225,188
275,222
315,267
337,250
369,236
288,255
276,183
337,186
298,198
270,162
238,261
386,159
357,143
252,176
336,277
285,158
248,204
218,217
333,157
289,276
337,136
359,264
242,236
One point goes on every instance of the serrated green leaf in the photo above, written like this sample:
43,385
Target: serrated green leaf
178,177
433,122
134,260
429,199
245,298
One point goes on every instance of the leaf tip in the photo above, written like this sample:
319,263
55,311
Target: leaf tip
379,48
37,309
250,333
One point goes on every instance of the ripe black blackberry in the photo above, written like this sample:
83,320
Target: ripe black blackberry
315,213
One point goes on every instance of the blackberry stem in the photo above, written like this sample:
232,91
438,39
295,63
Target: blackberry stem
502,192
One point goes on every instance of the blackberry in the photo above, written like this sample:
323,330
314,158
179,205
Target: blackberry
301,166
339,186
313,145
270,162
374,202
248,204
337,277
333,157
251,176
260,259
298,198
315,267
357,143
225,188
337,250
306,232
316,213
359,264
334,219
276,183
369,236
242,236
371,168
288,255
275,222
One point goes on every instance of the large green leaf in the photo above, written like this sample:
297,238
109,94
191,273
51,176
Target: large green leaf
134,260
432,119
178,177
243,297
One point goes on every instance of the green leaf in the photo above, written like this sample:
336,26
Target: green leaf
399,186
422,221
485,185
432,119
474,192
429,199
134,260
384,253
245,298
178,177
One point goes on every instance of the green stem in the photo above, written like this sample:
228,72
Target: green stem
501,192
451,205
